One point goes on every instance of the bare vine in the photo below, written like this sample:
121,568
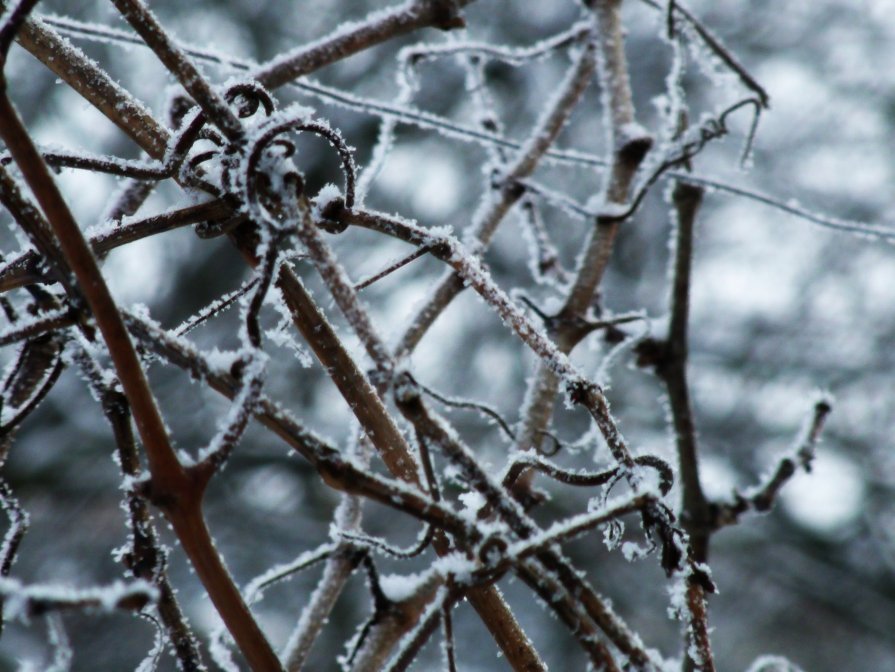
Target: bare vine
234,151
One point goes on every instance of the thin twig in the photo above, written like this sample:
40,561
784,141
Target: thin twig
24,268
376,28
28,601
144,556
672,368
19,521
391,268
472,274
139,170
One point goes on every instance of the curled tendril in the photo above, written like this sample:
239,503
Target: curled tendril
247,97
708,131
492,550
243,171
468,404
490,412
557,445
201,158
184,139
252,95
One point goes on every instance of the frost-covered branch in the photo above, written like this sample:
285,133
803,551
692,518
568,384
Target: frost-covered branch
454,130
471,273
761,498
351,38
245,164
26,601
19,521
671,367
24,268
144,555
170,483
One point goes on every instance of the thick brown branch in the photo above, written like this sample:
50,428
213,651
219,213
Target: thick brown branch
95,85
170,482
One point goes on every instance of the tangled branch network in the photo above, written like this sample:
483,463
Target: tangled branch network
487,503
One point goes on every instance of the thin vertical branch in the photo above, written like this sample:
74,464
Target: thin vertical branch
671,366
630,145
338,569
19,521
447,622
